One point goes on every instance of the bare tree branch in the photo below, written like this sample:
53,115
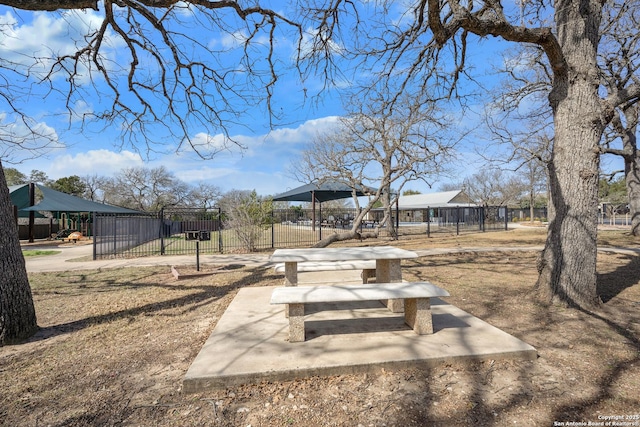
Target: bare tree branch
156,82
383,143
51,5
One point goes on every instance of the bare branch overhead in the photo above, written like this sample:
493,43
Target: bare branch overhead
164,77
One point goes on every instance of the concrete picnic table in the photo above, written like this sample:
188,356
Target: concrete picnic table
387,258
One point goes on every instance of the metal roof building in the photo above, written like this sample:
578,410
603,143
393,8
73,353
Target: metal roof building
445,199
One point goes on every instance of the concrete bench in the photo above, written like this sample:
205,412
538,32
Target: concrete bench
368,267
416,295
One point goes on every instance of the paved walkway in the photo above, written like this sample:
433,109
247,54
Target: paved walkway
74,258
250,342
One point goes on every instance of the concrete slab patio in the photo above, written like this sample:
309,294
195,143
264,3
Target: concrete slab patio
250,342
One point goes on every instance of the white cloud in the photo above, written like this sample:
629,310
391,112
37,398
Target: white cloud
36,43
308,42
184,9
208,144
262,167
219,145
25,139
303,133
94,162
237,40
239,146
231,40
80,109
238,179
204,173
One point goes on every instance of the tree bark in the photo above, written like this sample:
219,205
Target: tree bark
17,312
51,5
567,265
340,237
388,209
626,130
632,181
631,164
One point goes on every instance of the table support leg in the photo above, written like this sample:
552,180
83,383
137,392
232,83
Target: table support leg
367,274
296,322
417,314
290,279
389,271
291,274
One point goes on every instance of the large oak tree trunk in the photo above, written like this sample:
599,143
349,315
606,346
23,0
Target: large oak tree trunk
341,237
632,181
631,165
568,263
354,233
17,313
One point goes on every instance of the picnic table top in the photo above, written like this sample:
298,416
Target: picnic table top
341,254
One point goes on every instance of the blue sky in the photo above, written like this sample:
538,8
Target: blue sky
262,166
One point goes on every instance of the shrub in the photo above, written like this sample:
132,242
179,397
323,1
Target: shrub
248,216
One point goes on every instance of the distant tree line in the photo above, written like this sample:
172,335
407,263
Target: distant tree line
151,189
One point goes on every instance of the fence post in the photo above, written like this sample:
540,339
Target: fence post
273,232
428,221
220,229
198,254
320,222
115,234
95,248
161,218
457,220
506,218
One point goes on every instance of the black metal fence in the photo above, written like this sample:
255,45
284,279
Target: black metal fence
456,220
181,231
167,232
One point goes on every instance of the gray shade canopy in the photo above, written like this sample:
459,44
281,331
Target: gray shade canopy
329,190
56,201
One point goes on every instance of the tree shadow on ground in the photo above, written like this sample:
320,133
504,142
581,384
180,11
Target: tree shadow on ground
611,284
202,294
556,333
611,374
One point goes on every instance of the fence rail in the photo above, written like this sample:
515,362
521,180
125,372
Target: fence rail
183,231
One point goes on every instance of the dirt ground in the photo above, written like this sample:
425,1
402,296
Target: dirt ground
114,346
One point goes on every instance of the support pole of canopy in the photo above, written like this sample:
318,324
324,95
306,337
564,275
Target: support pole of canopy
313,210
320,221
32,201
95,248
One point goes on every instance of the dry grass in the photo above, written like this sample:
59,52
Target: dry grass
115,344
